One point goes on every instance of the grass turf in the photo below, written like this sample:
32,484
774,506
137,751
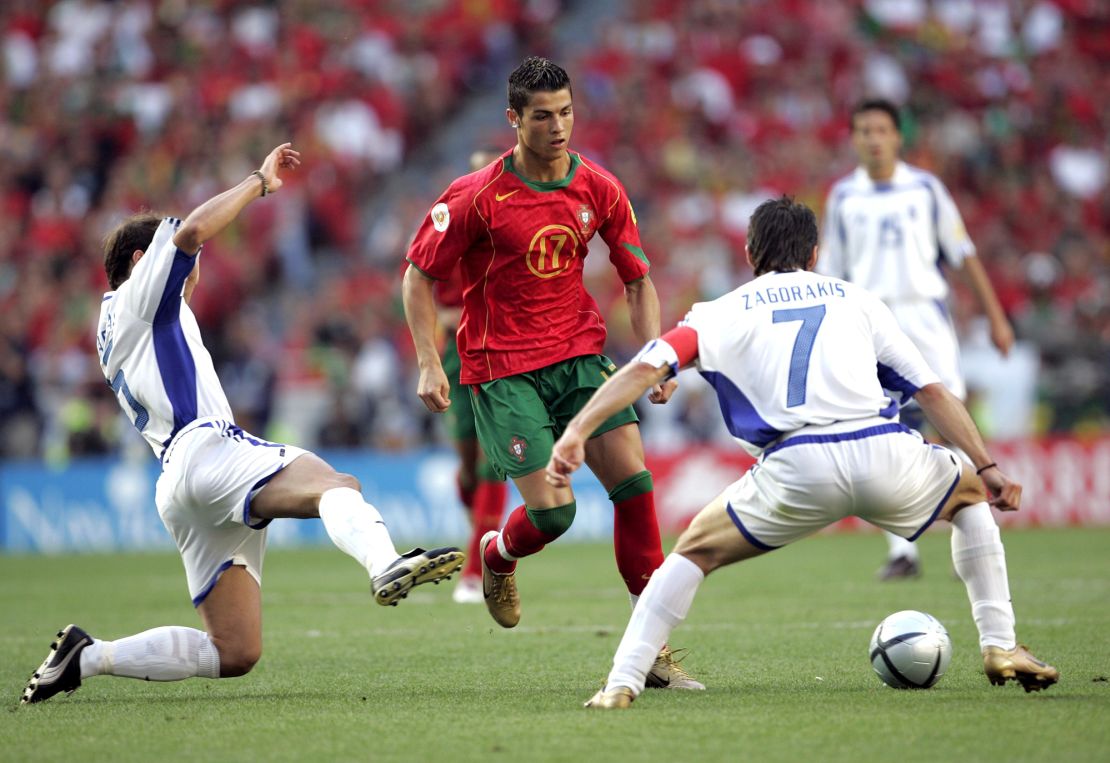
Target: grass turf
781,642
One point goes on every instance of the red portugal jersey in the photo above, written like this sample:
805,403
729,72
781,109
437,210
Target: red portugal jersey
521,245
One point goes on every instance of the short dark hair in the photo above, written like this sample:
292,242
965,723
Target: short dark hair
877,104
134,233
781,236
535,74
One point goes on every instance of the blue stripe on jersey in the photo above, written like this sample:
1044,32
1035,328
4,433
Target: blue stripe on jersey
175,359
892,380
740,415
820,439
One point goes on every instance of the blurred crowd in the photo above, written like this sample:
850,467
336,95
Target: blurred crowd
703,108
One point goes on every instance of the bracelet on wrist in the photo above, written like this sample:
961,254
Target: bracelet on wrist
265,183
982,469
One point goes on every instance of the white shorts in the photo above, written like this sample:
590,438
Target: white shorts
210,472
929,326
884,473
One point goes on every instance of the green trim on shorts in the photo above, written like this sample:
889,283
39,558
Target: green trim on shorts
554,521
637,484
519,417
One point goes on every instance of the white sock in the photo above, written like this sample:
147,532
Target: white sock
980,561
662,606
357,529
899,546
169,653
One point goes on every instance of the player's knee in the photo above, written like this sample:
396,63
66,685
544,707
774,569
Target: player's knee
341,479
238,660
553,522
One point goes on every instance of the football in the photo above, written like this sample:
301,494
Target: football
910,650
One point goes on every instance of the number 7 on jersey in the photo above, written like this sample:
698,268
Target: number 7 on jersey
810,318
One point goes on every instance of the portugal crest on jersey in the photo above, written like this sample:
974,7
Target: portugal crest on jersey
585,220
517,446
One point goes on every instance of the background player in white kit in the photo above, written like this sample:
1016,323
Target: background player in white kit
220,486
800,362
889,227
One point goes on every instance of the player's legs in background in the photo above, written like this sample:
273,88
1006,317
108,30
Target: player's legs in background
711,541
310,487
481,490
980,561
486,509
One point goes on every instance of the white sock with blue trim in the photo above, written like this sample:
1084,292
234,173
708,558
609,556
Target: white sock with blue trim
980,561
663,605
168,653
357,529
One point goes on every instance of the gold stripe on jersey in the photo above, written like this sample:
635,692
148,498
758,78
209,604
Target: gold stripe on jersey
608,180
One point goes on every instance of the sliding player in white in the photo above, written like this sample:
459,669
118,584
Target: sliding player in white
889,227
800,362
220,486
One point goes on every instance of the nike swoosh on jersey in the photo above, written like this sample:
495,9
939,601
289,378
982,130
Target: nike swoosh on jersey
503,196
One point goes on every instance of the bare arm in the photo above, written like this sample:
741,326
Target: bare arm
191,281
420,313
214,215
1002,334
617,393
643,310
945,412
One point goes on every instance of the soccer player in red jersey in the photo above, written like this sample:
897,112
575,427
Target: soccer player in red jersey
531,336
481,490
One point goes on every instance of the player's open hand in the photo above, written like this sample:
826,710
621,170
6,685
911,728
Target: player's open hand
661,393
1005,493
566,456
434,389
281,158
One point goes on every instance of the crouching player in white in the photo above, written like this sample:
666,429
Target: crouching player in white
220,486
799,362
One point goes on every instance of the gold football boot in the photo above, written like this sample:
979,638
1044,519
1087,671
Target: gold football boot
499,590
1017,664
614,699
666,673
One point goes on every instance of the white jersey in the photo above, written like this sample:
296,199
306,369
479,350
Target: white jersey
890,238
793,350
150,348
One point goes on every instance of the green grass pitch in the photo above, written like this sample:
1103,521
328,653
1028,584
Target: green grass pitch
781,642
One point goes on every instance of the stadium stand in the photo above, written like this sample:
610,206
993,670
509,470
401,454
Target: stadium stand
702,108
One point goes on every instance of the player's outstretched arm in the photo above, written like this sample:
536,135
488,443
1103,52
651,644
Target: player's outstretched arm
1002,333
618,392
945,412
214,215
420,313
643,310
